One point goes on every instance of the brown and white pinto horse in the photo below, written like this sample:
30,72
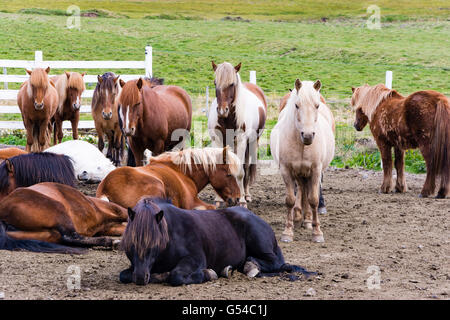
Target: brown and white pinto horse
106,117
70,86
420,120
58,213
237,118
177,175
157,118
38,101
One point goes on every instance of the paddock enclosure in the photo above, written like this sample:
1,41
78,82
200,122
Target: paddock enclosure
402,238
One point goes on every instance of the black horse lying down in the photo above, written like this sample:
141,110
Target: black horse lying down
168,244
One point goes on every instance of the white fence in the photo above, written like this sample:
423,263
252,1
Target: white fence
8,94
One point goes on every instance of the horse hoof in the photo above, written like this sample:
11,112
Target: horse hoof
210,274
226,272
286,238
219,204
322,210
251,269
307,225
318,238
248,198
116,244
243,204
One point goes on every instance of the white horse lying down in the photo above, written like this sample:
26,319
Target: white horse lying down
89,163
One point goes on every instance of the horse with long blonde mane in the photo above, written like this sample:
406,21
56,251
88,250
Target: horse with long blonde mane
38,101
237,118
302,144
176,175
420,120
70,86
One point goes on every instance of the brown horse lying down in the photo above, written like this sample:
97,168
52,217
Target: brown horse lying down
420,120
58,213
178,176
7,153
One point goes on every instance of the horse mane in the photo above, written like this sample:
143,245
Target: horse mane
33,168
225,75
306,95
108,84
370,97
208,158
76,81
144,232
130,93
153,81
39,79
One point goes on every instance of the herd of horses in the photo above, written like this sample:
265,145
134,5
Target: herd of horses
167,232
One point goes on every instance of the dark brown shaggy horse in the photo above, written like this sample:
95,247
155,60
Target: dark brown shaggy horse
420,120
151,115
38,101
57,213
28,169
168,244
70,86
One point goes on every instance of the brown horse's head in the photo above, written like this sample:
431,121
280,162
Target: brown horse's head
307,102
37,87
226,83
7,179
131,107
75,87
105,94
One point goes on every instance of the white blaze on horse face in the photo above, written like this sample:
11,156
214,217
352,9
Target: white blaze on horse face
127,118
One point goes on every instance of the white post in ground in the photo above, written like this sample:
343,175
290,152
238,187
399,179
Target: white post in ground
389,79
148,61
38,59
253,77
6,83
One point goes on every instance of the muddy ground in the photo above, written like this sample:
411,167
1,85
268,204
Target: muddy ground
406,238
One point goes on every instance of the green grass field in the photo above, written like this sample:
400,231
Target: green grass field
282,40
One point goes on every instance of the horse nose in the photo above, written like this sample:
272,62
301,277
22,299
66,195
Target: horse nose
356,126
76,106
38,106
307,138
142,280
83,176
223,112
107,116
130,131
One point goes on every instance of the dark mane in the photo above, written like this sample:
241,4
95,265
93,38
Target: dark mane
144,232
33,168
154,81
107,84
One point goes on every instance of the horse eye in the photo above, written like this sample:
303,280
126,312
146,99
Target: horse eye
229,175
296,105
317,107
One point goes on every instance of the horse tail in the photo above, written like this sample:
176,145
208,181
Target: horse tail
8,243
440,143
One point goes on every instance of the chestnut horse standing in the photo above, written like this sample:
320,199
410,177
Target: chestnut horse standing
237,118
38,101
70,86
58,213
177,175
157,118
106,117
420,120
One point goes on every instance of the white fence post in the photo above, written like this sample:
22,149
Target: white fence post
389,79
253,77
6,83
148,61
38,59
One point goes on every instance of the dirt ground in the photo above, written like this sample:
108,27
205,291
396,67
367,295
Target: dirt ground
398,241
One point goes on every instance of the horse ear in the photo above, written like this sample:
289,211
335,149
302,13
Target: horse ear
83,74
159,216
298,84
28,71
224,154
116,78
9,166
122,83
238,67
317,85
290,90
353,89
139,83
214,66
67,74
99,79
47,70
131,214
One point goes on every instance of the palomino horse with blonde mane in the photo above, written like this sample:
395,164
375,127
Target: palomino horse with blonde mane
57,213
326,112
420,120
105,113
177,175
70,86
237,118
302,144
38,101
157,118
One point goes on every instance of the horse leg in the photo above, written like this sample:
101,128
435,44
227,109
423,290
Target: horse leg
400,185
313,199
43,129
201,205
76,239
191,270
430,181
115,230
386,157
100,134
322,206
117,146
157,149
217,142
30,134
306,208
47,235
240,152
110,145
288,233
74,123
